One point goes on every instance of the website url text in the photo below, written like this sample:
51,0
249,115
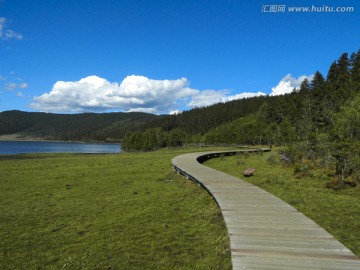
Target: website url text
313,8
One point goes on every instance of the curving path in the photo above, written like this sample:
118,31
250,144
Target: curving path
265,232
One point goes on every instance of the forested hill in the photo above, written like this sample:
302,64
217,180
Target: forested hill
307,114
73,127
200,120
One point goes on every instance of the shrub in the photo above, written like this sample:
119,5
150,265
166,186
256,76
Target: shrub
303,169
273,159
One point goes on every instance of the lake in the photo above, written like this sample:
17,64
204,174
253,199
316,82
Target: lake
19,147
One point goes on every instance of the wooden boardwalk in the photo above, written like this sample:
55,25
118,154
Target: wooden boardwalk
265,232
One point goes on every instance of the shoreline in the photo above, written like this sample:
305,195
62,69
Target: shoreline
27,138
22,138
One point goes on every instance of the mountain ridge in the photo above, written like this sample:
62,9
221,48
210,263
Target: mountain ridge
72,127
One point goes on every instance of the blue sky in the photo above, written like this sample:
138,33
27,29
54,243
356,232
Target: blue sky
163,56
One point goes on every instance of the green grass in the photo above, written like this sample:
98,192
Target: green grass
336,211
121,211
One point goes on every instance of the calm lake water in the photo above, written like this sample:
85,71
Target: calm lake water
16,147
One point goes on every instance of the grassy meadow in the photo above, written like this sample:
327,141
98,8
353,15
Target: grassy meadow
113,211
336,211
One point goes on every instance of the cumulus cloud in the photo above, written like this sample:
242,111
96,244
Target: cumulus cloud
288,83
134,93
6,33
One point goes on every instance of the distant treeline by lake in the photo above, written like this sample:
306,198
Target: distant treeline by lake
85,127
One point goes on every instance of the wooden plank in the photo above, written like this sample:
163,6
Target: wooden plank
265,232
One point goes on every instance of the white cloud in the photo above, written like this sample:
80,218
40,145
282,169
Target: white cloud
6,33
20,94
288,83
134,93
209,97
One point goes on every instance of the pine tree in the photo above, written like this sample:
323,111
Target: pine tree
338,80
305,87
318,81
355,67
321,101
343,70
332,75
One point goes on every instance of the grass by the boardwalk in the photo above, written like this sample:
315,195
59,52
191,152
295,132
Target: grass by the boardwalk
121,211
336,211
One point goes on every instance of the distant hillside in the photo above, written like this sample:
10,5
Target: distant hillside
201,120
73,127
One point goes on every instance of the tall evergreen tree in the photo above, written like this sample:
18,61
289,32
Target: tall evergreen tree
343,63
318,81
332,75
320,98
343,70
355,66
338,80
305,87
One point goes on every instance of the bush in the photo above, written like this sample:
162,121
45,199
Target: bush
294,153
273,159
303,169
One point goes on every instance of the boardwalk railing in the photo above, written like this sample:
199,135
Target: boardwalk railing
265,232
